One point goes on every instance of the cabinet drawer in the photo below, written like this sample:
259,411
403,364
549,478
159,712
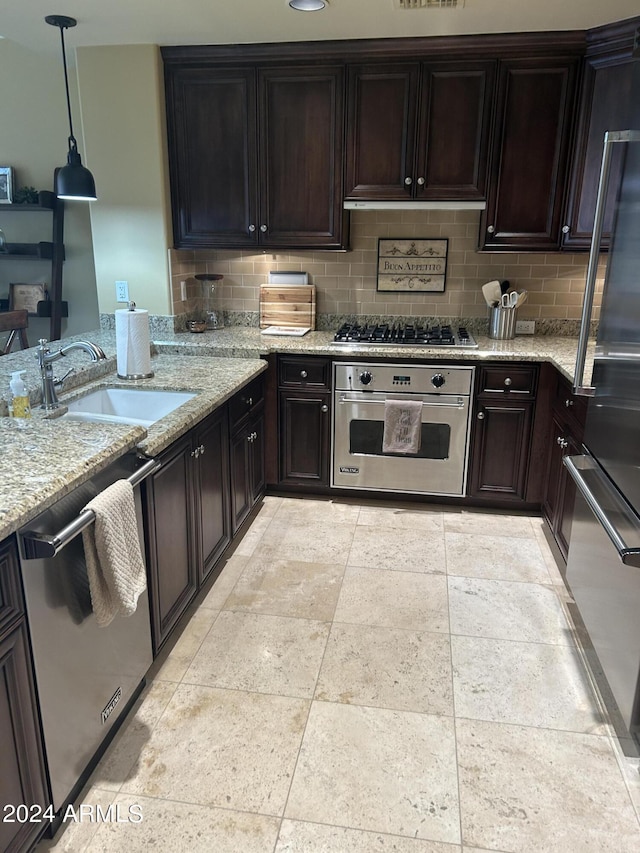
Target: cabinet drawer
246,401
570,406
305,373
519,380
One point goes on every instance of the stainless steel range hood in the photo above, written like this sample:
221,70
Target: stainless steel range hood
350,204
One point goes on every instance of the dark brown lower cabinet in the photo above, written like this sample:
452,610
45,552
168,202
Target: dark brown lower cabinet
501,450
305,437
247,467
22,772
187,520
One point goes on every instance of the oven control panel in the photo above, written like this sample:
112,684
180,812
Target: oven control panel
409,378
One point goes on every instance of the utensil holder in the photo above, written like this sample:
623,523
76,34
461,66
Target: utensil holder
502,323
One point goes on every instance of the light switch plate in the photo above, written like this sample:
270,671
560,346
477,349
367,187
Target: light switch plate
525,327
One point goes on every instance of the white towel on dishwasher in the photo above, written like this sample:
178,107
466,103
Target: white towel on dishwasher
115,565
402,426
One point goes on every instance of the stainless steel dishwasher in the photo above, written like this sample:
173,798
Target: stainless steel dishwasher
86,676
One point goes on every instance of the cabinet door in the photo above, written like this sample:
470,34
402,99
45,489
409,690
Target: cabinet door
304,438
501,449
300,156
212,470
212,156
171,531
381,127
22,780
606,94
454,124
240,476
529,154
256,465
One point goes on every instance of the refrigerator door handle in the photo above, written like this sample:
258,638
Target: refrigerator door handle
584,468
610,138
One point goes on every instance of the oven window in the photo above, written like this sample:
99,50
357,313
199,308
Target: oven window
366,437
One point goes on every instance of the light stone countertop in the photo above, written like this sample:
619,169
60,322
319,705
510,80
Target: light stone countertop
42,460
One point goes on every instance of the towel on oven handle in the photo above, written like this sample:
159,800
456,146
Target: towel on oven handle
402,426
115,565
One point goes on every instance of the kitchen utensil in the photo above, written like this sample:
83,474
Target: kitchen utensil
522,297
288,305
502,323
509,300
491,292
504,286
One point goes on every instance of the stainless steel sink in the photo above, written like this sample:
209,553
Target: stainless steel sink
139,406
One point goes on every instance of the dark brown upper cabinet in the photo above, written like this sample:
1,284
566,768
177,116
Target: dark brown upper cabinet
418,130
604,105
529,159
255,156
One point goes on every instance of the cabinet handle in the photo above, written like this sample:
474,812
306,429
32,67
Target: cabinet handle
195,453
491,229
202,449
263,228
565,229
507,382
408,181
421,182
324,408
568,403
480,416
304,374
252,228
562,442
250,437
249,401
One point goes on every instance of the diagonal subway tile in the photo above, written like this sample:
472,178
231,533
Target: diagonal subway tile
183,826
387,668
525,789
298,837
268,654
507,610
398,548
287,588
495,557
378,770
223,748
530,684
417,602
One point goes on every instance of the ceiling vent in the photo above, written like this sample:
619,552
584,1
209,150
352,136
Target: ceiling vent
428,4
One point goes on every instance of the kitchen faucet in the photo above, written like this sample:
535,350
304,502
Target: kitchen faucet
45,360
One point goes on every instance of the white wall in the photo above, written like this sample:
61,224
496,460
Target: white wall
122,102
33,140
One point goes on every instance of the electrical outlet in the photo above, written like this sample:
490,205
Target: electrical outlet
122,291
183,291
525,327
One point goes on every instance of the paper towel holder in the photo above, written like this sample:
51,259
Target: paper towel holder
131,306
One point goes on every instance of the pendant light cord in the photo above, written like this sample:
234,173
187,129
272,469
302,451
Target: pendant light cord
72,140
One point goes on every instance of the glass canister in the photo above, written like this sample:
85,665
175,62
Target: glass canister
211,291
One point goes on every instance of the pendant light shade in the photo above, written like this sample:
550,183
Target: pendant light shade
74,181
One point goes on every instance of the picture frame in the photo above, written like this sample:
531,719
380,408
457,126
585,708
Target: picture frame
6,185
407,265
26,296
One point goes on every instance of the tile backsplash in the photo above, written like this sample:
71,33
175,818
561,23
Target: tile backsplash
346,281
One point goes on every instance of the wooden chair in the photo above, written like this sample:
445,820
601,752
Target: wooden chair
16,323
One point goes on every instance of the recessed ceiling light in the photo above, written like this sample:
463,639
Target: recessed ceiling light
308,5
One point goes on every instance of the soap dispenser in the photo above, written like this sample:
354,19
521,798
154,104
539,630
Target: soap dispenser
19,405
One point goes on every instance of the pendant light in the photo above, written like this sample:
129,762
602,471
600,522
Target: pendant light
73,181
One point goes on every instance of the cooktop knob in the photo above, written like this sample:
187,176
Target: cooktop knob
437,380
365,377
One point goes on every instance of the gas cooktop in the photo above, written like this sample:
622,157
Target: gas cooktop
405,335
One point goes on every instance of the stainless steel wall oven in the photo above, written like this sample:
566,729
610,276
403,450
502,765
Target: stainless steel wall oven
439,467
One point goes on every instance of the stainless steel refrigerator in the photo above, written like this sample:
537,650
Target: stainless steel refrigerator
603,566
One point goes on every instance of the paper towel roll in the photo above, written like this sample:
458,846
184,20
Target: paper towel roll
133,351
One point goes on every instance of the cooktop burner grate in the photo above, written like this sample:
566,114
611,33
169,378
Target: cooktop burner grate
405,335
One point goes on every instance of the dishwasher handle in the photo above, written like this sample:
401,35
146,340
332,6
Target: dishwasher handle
39,545
629,554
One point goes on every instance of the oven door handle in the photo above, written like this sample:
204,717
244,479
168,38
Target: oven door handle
41,545
429,404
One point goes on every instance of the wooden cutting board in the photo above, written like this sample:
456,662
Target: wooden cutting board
292,306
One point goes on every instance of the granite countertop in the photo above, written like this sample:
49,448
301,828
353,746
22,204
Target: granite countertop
44,459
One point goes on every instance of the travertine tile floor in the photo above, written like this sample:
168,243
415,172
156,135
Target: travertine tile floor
371,678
